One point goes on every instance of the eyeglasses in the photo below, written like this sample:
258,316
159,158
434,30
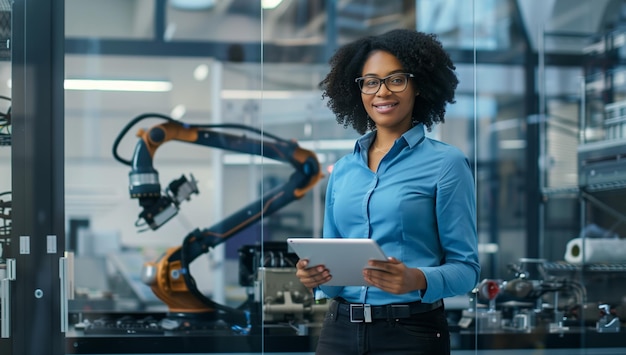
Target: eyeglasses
370,85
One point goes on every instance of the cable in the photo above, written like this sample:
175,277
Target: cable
144,116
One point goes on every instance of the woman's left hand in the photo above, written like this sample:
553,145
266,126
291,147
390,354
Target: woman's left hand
394,277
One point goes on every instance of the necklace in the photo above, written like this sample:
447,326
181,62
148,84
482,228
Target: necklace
376,149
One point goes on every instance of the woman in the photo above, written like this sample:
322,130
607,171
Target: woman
412,194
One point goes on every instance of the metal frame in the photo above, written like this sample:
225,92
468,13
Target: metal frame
37,158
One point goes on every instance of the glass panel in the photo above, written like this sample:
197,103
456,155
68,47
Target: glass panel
213,21
550,84
305,117
602,177
500,164
567,24
152,255
355,19
481,25
562,127
112,240
114,19
582,177
6,203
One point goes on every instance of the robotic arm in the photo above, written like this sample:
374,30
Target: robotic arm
169,277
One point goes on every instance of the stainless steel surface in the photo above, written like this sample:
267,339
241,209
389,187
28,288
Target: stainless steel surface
63,287
5,309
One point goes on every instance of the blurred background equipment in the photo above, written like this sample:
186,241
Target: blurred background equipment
5,120
170,277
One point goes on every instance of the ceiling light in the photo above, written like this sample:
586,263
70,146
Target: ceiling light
328,144
246,159
266,94
178,111
193,4
118,85
255,94
308,129
169,32
270,4
315,145
488,248
512,144
201,72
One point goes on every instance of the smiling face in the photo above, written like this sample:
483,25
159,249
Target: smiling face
389,110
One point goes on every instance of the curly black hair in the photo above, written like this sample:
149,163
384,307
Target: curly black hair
421,54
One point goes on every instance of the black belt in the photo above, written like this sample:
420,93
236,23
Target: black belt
359,313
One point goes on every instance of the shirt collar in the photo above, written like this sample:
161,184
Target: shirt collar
412,137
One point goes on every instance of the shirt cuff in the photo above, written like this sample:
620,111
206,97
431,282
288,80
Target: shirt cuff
434,285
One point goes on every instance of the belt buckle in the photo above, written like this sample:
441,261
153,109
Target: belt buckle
367,313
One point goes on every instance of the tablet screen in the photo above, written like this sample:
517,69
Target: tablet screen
344,257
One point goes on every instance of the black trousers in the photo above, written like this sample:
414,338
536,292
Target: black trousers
421,334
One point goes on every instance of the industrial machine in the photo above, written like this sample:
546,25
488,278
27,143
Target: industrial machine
169,277
5,121
535,299
5,222
5,196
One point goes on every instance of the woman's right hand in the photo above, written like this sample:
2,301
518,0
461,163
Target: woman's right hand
312,277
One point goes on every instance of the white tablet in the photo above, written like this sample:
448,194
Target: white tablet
344,257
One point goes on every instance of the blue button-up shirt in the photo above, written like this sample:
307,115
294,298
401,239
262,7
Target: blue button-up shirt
419,206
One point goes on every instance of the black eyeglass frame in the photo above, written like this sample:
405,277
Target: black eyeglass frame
359,82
